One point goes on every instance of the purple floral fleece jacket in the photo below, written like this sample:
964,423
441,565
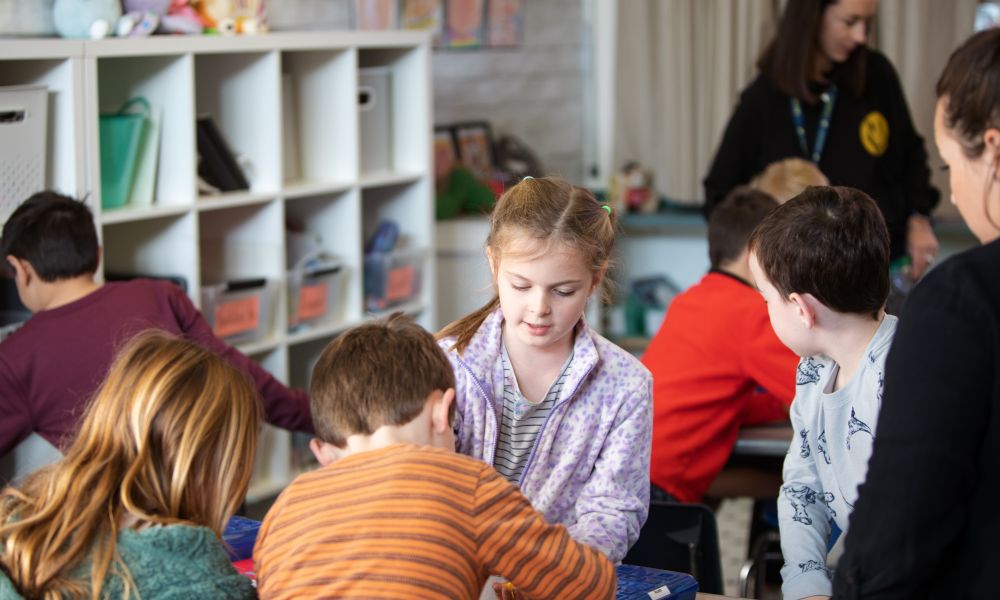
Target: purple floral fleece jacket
589,469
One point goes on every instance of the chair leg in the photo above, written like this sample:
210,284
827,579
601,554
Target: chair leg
747,576
693,560
754,570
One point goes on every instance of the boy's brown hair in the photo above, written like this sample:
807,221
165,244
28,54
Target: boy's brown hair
379,373
733,221
830,242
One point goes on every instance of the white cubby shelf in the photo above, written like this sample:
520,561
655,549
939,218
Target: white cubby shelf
287,104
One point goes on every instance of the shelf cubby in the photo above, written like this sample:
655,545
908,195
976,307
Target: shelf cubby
319,122
240,91
409,105
63,171
165,81
333,222
243,242
160,247
409,267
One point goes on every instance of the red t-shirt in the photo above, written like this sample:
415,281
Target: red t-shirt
717,366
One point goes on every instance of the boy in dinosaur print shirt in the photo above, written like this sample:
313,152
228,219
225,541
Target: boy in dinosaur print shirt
821,261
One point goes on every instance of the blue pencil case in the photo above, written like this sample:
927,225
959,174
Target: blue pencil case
642,583
240,535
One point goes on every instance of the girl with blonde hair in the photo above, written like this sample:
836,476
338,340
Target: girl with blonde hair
137,506
557,409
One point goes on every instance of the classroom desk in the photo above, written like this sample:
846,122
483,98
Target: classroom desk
771,440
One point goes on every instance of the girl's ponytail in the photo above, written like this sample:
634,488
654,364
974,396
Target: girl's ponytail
465,328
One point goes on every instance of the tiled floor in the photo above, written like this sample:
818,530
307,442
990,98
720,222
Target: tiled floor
733,520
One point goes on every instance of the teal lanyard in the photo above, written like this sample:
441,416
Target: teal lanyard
829,98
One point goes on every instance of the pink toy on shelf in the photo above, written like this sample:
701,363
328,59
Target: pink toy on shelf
182,18
174,16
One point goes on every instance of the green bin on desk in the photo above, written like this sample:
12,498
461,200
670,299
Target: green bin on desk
121,136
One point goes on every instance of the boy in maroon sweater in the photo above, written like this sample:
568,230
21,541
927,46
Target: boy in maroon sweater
50,367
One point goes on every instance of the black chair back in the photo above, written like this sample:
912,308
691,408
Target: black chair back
683,538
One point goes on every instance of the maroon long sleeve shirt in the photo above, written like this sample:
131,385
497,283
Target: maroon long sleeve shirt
53,364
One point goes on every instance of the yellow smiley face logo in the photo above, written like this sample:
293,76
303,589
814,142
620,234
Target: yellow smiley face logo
874,133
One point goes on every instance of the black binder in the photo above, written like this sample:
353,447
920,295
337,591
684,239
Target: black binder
218,166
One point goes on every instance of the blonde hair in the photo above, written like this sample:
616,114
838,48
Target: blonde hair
544,211
786,179
169,438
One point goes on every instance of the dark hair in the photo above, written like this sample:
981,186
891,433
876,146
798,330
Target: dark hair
830,242
542,210
379,373
733,221
787,61
971,83
55,234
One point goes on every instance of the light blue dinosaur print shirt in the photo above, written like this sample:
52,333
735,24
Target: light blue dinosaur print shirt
827,459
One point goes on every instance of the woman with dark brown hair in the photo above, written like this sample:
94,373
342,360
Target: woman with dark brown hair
926,524
823,95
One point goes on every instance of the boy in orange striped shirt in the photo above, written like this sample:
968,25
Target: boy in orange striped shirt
401,514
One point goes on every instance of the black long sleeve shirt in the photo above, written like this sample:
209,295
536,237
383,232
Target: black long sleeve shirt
926,522
761,131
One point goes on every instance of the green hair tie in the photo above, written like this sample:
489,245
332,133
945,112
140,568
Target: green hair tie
607,208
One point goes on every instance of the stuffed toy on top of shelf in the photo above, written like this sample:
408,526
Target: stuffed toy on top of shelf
85,18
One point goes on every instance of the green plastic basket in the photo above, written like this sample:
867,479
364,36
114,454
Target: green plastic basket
121,135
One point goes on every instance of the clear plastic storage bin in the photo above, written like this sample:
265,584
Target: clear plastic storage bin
239,311
313,295
392,278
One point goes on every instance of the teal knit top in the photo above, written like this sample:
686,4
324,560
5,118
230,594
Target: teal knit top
172,562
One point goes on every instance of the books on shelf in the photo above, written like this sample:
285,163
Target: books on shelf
217,165
129,153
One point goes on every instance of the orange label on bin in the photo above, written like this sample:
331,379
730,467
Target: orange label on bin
312,301
237,316
400,284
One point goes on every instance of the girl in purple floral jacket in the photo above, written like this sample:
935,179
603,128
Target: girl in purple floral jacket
553,406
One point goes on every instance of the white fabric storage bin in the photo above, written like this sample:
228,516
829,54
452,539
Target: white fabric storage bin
23,119
375,118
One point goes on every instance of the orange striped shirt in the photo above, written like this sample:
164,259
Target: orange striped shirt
417,522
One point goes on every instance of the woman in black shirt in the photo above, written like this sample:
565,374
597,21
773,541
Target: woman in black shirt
926,522
823,95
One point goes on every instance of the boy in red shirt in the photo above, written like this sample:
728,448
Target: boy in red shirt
716,362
